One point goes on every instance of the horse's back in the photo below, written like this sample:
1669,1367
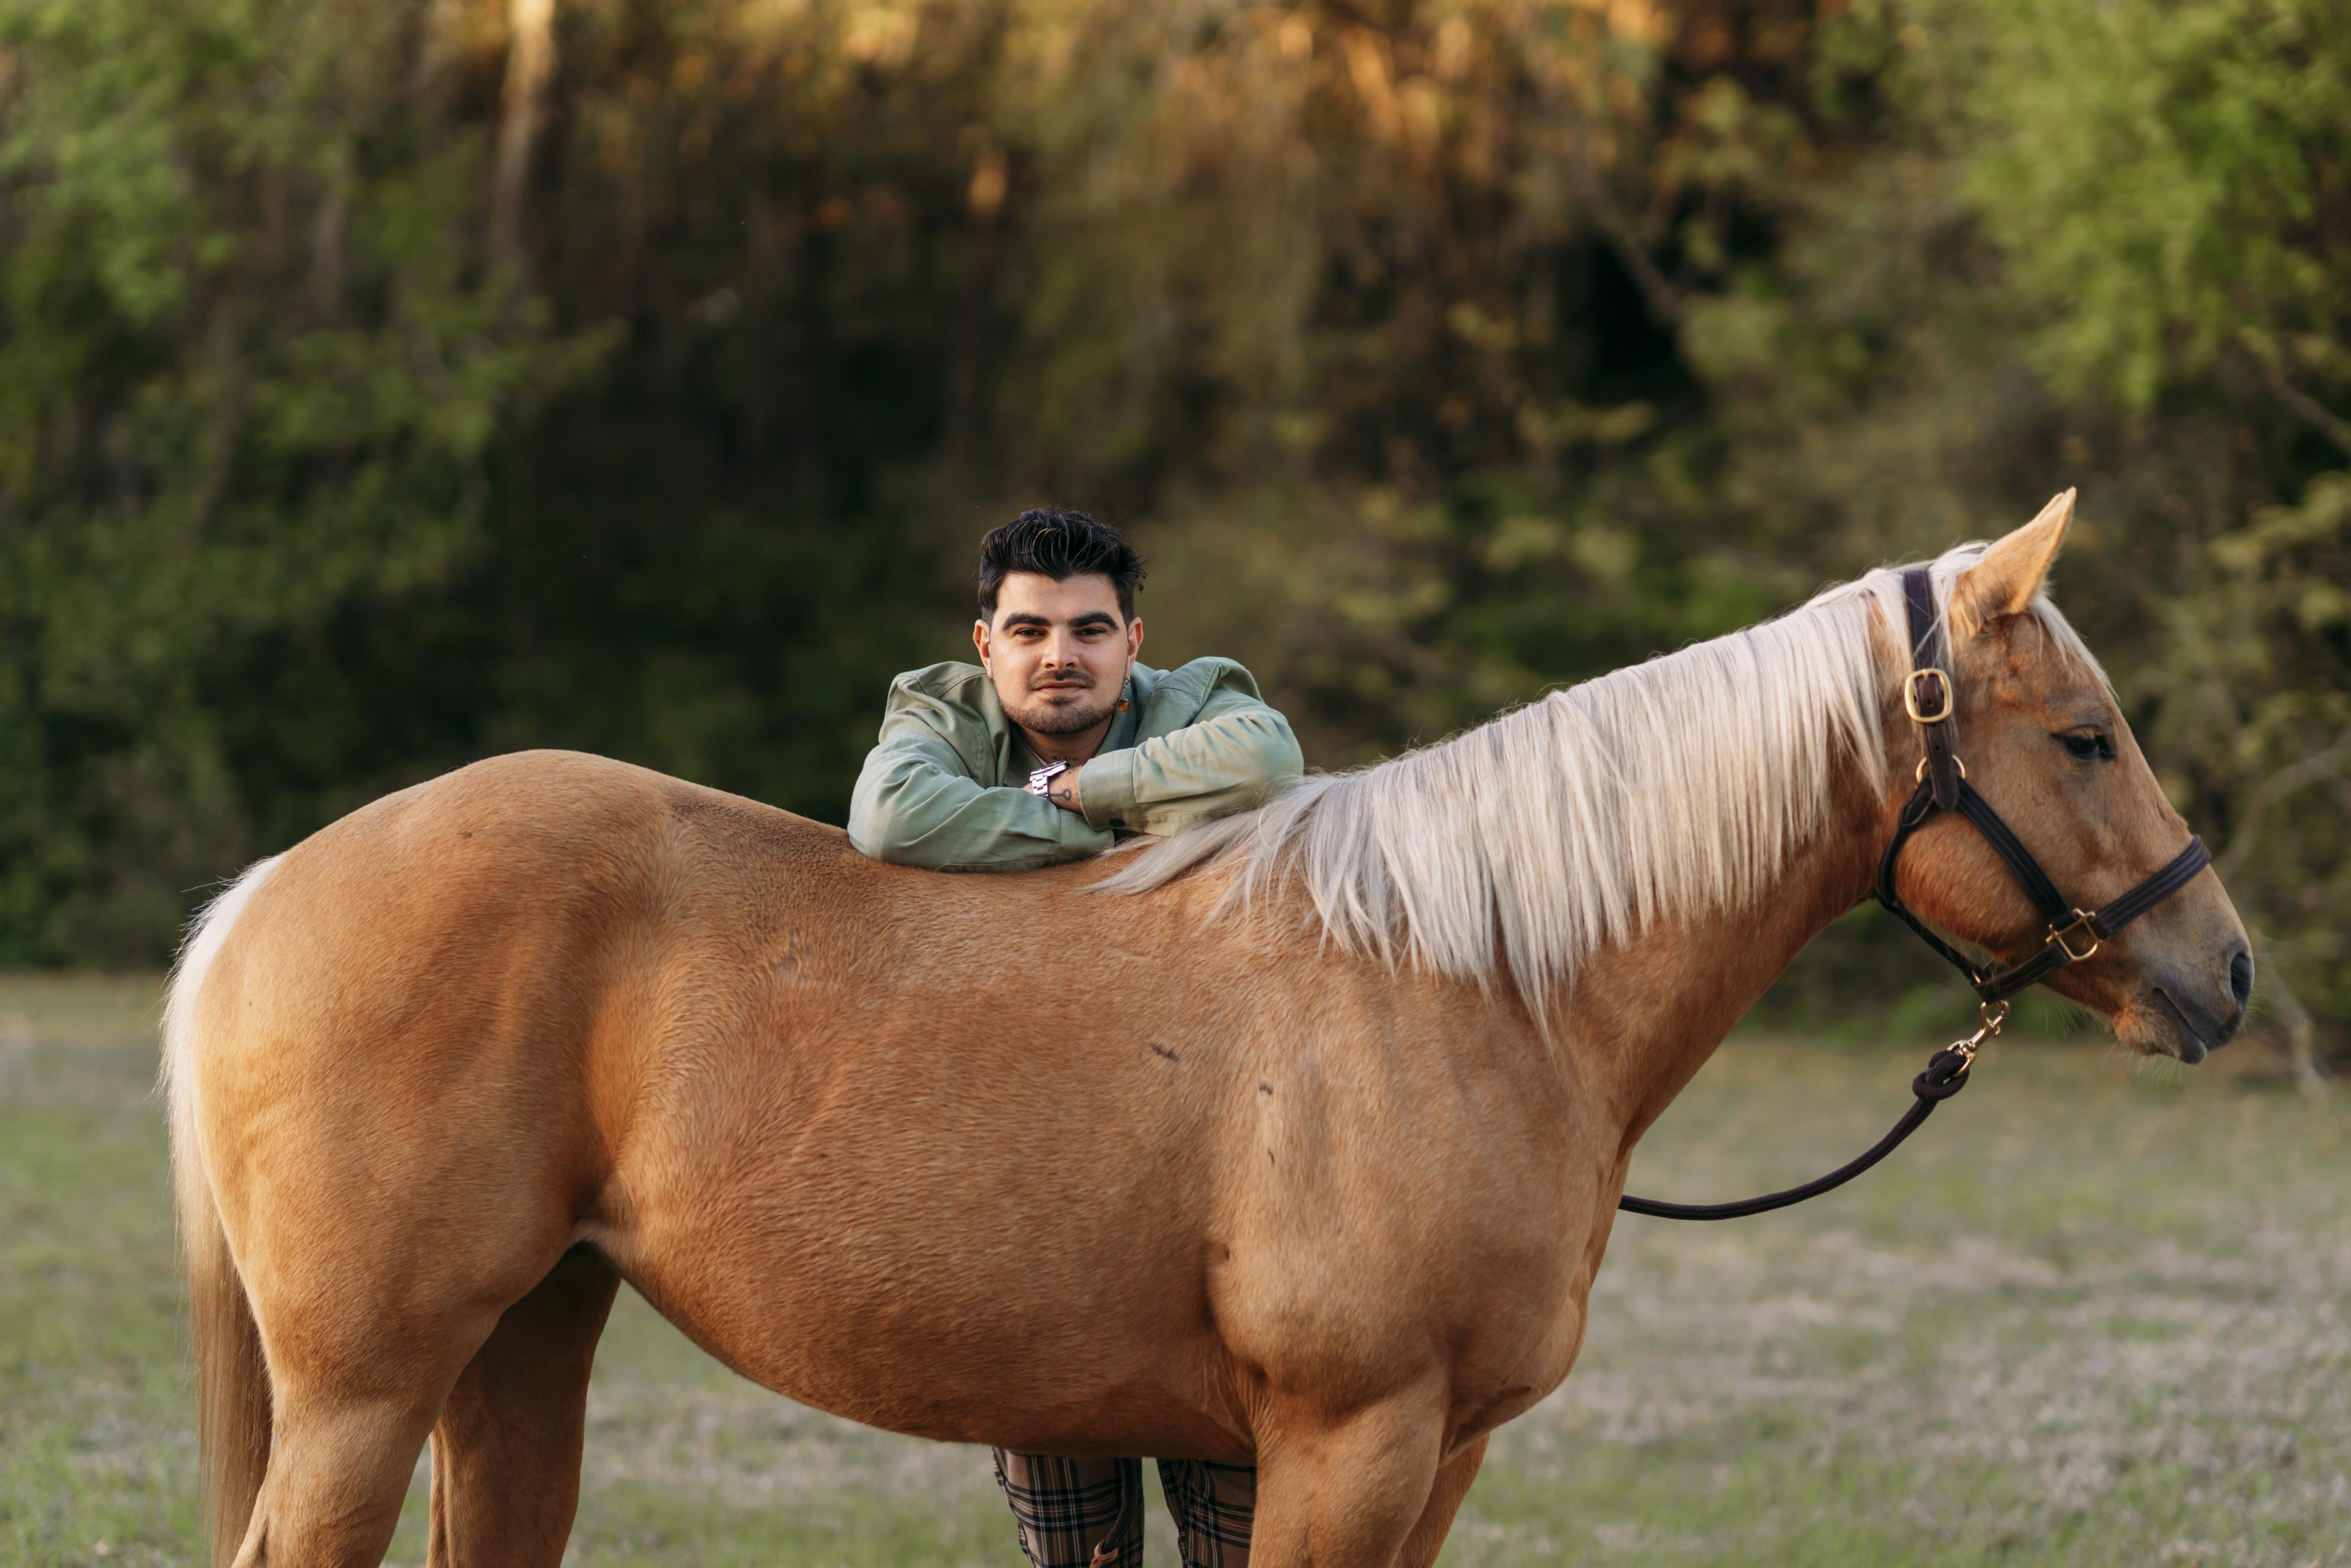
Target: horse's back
427,980
545,898
537,856
601,824
558,941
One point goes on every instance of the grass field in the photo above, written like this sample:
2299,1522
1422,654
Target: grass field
2097,1314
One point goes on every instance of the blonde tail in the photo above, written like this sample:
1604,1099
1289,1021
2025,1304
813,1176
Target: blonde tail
233,1411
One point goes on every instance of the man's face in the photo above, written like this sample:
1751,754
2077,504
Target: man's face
1058,651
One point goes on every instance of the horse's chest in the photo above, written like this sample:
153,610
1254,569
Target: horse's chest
1518,1345
1500,1300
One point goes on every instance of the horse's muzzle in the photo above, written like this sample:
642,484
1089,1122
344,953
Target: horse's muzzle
2204,1013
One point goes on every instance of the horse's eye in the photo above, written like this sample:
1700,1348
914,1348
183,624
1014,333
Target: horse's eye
2088,744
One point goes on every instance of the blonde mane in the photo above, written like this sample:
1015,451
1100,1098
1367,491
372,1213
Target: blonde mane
1574,822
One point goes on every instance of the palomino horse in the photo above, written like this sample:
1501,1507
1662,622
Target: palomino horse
1295,1138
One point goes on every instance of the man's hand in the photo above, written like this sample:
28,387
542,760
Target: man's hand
1064,788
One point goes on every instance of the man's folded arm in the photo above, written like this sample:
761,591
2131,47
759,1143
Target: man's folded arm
915,805
1235,754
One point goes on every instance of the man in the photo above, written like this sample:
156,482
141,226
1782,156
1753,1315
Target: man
1053,745
1059,742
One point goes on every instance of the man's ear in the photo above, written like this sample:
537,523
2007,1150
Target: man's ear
979,640
2010,572
1134,639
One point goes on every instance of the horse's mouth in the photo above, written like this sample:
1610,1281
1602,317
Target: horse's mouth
2154,1023
2187,1044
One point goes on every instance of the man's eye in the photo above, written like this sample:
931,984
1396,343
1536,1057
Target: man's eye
2088,744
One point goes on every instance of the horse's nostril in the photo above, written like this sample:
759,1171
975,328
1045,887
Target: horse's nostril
2240,976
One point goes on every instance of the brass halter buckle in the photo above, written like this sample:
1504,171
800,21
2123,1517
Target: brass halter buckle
1910,696
2080,923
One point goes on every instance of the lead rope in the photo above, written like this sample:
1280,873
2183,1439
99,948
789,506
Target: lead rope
1946,1075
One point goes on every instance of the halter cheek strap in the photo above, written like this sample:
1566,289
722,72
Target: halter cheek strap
2073,933
1929,696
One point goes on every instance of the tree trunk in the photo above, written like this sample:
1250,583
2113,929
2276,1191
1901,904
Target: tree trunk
530,66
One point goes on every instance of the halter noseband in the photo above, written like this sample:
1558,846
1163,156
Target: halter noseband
2074,933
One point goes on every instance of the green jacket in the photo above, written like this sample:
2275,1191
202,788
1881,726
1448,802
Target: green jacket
944,787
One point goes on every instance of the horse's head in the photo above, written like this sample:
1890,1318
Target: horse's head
2043,740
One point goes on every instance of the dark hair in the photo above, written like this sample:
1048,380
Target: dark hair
1058,543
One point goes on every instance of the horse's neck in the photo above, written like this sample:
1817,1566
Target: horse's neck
1644,1016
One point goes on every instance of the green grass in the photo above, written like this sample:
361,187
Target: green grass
2095,1313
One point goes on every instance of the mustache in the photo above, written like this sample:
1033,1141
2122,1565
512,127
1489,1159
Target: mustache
1060,677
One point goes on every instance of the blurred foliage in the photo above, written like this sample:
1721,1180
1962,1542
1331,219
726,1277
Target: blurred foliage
374,405
2108,242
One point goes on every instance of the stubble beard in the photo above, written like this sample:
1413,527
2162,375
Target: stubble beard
1042,717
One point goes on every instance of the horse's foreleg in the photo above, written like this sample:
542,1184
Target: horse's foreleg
1453,1481
1345,1494
506,1453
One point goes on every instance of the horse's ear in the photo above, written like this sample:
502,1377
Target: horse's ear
2004,582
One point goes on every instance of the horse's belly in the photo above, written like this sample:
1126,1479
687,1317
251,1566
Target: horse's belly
922,1301
951,1366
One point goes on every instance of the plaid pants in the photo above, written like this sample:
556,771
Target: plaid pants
1068,1508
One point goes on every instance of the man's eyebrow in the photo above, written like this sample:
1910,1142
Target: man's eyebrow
1091,618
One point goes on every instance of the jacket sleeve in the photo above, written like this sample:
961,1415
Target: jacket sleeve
916,803
1236,752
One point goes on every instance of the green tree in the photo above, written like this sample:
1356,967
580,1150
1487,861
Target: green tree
389,386
252,373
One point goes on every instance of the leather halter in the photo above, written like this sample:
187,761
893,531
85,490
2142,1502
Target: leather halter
1943,786
2073,933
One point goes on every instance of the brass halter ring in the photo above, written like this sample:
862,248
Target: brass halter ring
1919,777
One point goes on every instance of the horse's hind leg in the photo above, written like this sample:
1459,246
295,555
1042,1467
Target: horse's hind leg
506,1452
338,1469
